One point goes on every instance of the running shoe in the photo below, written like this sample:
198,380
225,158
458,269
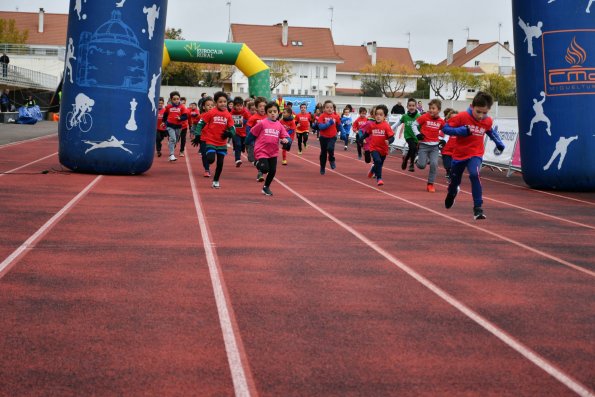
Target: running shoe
299,152
260,177
411,168
172,158
371,172
238,163
266,191
181,154
478,213
207,174
333,165
158,154
284,162
380,182
215,185
345,147
449,201
431,188
404,163
322,171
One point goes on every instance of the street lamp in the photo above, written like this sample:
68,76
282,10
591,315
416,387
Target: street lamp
228,4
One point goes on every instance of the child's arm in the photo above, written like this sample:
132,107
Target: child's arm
324,126
494,136
199,126
453,127
251,134
395,126
415,127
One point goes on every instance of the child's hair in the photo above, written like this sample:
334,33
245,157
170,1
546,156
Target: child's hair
483,99
383,108
161,99
287,110
348,108
173,94
327,102
290,104
204,102
436,102
372,110
218,95
193,103
363,109
448,114
303,104
271,104
411,100
259,100
182,98
447,111
238,101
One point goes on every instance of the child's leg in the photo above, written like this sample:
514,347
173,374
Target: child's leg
250,153
203,155
331,150
300,138
173,137
378,162
422,159
306,134
220,158
412,150
456,173
183,134
473,167
433,156
284,153
367,157
237,147
158,140
272,171
323,152
447,163
359,150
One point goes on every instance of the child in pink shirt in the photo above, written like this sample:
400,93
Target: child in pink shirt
268,133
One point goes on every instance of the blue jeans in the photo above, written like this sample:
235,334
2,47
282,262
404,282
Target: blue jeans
473,166
238,146
378,162
174,135
327,148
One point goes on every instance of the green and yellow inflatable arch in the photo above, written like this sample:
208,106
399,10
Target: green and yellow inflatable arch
237,54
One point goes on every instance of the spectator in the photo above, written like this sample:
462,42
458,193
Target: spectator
4,60
5,101
203,96
30,101
398,109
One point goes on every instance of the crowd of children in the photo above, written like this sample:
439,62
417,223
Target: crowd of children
258,127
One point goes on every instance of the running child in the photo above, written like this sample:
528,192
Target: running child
256,118
448,147
302,128
470,127
408,119
217,125
380,135
427,130
240,117
161,127
328,124
315,116
288,122
346,123
207,104
174,115
267,135
185,127
357,126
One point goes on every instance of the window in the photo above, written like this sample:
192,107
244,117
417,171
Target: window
241,90
476,63
277,91
317,72
305,92
326,93
292,91
325,72
300,44
299,92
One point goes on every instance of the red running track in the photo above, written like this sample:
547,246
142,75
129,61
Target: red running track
331,286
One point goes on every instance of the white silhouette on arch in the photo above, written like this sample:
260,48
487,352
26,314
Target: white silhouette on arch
131,124
113,142
152,14
69,56
588,10
78,7
120,4
531,32
561,150
152,91
540,115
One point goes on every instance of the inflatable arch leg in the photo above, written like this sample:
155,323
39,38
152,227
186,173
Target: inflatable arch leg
555,65
222,53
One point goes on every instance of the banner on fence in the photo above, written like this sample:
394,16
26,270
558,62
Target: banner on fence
508,129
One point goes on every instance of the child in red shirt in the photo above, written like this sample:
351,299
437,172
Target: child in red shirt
378,133
328,124
449,145
161,128
302,128
357,126
288,122
207,104
256,118
174,116
240,117
267,135
217,127
427,130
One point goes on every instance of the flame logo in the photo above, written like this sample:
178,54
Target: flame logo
575,54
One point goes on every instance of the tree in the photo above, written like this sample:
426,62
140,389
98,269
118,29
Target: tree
173,34
10,34
280,73
436,76
371,87
501,88
460,80
387,77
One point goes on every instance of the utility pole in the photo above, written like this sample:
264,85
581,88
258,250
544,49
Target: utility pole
468,31
332,9
228,20
408,40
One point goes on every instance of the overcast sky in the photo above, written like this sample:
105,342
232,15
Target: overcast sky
430,22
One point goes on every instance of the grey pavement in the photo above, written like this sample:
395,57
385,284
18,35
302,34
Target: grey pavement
18,132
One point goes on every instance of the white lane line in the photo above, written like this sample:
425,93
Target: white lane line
26,165
238,374
498,236
27,140
526,352
486,197
32,241
540,191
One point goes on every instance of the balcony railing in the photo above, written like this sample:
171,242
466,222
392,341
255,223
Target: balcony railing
29,50
21,77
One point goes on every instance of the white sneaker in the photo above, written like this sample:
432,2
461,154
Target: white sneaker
172,158
215,185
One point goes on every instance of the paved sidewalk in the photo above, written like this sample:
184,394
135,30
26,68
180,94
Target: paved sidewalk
19,132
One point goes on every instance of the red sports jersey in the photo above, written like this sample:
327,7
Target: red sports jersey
194,116
359,123
160,124
449,148
430,127
255,119
472,145
239,120
379,134
186,123
330,132
303,122
174,113
217,122
289,125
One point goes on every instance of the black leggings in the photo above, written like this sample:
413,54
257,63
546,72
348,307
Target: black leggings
412,151
203,155
183,134
302,138
327,148
160,136
272,171
211,156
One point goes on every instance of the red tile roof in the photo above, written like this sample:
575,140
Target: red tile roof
460,57
348,91
54,26
265,41
356,57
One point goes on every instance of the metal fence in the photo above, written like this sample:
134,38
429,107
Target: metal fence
21,77
24,49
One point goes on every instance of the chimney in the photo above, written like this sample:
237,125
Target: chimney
284,33
471,45
371,49
449,52
507,45
41,15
